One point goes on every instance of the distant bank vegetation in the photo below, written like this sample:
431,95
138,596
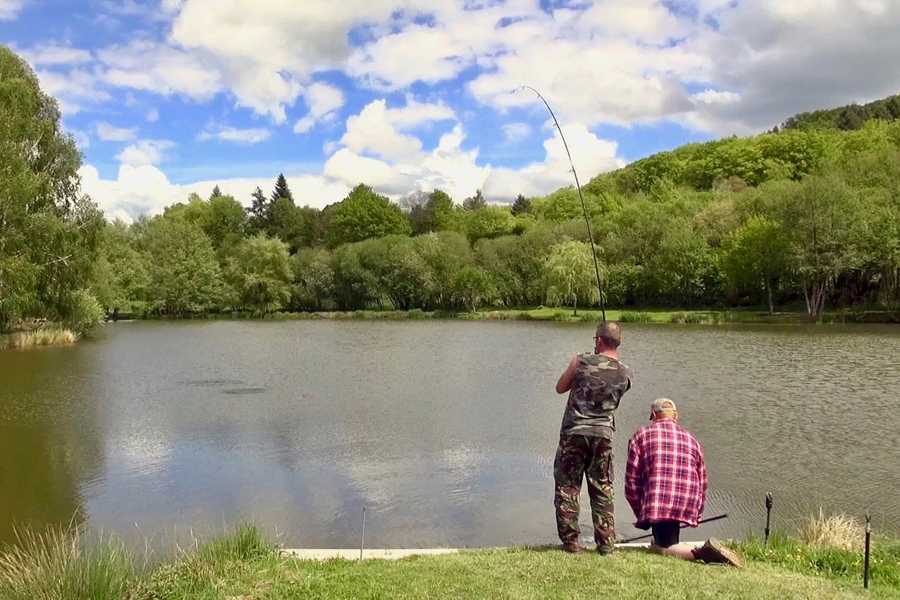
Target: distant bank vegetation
808,215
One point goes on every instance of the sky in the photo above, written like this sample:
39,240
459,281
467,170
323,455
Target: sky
169,97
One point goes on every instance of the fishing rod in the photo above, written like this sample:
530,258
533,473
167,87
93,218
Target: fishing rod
682,526
580,195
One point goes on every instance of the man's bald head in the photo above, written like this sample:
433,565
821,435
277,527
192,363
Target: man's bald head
609,335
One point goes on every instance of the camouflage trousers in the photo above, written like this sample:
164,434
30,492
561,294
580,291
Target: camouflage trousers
589,457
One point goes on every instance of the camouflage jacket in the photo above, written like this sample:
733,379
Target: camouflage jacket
597,387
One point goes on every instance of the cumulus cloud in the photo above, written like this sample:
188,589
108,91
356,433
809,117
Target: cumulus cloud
516,132
233,134
109,133
9,9
52,54
144,153
324,101
145,189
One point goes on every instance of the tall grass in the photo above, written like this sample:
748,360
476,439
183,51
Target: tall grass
59,564
838,531
48,336
635,317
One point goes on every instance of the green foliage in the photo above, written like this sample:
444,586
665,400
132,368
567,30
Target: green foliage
754,255
363,214
472,286
48,230
849,117
570,275
185,277
260,275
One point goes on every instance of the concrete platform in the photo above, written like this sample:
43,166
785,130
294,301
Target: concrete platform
395,553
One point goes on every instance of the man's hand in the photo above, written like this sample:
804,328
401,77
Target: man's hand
565,380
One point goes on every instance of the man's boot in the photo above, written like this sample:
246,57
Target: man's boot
714,551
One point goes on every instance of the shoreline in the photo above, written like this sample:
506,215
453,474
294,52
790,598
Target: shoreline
563,315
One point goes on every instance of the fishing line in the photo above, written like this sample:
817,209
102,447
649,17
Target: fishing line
580,195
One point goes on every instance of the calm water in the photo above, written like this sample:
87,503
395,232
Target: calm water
445,431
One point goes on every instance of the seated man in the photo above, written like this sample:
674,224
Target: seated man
665,484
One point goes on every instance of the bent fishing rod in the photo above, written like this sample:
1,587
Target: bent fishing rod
580,195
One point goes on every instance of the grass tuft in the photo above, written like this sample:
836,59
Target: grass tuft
836,531
48,336
59,564
635,317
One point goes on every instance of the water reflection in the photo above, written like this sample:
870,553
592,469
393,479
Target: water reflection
49,449
445,431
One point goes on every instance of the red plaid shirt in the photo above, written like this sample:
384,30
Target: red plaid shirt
665,478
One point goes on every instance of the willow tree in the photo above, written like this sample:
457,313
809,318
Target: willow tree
569,273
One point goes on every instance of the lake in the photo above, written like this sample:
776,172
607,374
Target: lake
445,431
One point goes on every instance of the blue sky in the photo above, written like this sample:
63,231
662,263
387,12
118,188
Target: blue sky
167,97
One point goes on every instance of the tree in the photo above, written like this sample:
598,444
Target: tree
754,255
260,274
824,216
226,222
521,206
473,286
49,231
363,214
313,277
185,277
215,193
570,275
475,202
121,276
290,224
259,211
281,189
488,222
415,204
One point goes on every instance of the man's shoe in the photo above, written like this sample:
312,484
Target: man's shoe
571,548
714,551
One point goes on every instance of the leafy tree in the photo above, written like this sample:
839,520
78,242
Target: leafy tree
754,255
488,222
226,221
121,277
313,278
521,206
281,189
570,275
49,231
215,193
260,273
825,225
290,224
363,214
472,286
444,253
185,277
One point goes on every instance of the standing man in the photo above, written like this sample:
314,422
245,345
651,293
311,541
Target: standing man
665,484
596,383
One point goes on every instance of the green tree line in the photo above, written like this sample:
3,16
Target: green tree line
805,217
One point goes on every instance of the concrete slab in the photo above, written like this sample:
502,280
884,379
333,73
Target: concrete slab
395,553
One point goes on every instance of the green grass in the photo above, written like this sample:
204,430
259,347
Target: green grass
59,564
243,565
497,573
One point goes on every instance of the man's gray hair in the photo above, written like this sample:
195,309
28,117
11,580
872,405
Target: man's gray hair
610,333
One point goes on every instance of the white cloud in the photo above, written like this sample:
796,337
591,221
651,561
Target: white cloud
74,90
158,68
152,115
323,101
145,189
109,133
516,132
51,54
380,131
232,134
144,153
9,9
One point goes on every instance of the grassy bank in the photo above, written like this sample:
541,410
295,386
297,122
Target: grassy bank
243,565
703,317
38,337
